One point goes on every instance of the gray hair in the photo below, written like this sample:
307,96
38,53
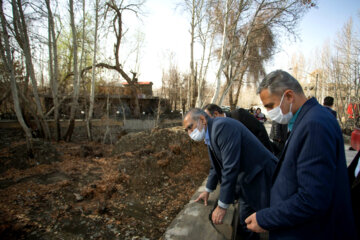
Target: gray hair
195,113
277,82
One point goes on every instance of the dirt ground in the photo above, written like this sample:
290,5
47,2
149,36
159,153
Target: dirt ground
82,190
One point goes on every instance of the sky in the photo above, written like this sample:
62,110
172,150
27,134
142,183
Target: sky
166,29
166,32
318,26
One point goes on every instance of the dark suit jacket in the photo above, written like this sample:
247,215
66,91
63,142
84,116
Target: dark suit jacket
256,127
310,196
239,162
355,190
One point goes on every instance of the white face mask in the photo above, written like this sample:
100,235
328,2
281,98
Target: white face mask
198,135
277,115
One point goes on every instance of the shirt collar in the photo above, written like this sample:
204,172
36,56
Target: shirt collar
293,119
357,169
207,137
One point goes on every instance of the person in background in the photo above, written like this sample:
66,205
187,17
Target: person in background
252,111
310,193
239,162
245,118
329,103
278,135
260,116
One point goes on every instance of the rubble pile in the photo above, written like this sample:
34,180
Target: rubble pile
131,190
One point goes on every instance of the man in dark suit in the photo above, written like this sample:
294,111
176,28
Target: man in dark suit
256,127
354,178
239,162
310,195
329,103
278,135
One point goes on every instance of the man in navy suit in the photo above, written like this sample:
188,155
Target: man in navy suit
239,162
257,128
310,195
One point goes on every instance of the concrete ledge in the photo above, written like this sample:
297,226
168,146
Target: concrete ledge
193,223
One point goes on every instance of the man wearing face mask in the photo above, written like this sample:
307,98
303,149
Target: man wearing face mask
243,116
239,162
310,195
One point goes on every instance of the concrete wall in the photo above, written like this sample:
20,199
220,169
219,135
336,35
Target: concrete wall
193,223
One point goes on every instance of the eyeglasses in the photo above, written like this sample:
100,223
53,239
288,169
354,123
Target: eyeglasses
189,127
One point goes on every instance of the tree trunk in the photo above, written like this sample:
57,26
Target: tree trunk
24,42
188,97
236,99
9,64
53,70
221,60
231,100
181,101
74,104
5,95
82,74
107,131
192,68
136,101
92,89
203,71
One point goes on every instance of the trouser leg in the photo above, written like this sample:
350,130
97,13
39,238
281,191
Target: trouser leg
242,232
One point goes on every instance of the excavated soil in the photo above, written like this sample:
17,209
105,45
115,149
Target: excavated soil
130,190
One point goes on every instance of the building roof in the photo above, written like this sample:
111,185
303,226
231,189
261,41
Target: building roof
140,83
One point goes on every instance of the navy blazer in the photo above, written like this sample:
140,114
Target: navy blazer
355,190
310,196
239,162
257,128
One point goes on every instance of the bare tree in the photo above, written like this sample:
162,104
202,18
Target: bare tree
7,57
76,80
53,68
201,42
118,9
221,63
193,6
206,35
21,35
92,88
347,71
248,36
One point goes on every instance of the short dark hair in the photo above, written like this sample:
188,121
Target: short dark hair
277,82
212,108
328,101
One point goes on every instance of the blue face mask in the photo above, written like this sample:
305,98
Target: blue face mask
277,115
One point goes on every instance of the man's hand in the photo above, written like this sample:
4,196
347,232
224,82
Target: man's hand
252,224
203,196
218,215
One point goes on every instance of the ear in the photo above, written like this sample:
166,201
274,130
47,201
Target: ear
203,119
289,95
